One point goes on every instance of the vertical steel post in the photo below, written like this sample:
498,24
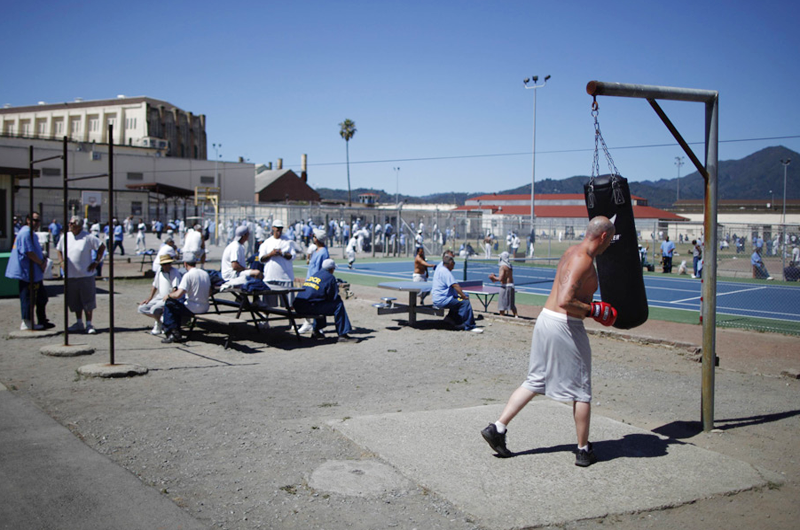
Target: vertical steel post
111,237
65,214
710,263
31,283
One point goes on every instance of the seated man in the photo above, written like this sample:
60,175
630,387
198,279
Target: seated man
234,257
321,297
168,247
759,269
165,281
196,287
448,294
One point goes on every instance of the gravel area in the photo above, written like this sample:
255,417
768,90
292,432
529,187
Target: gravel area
235,436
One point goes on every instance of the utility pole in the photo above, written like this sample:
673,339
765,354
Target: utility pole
679,163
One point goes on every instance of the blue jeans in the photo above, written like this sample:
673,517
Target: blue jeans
696,263
39,299
461,314
334,308
175,314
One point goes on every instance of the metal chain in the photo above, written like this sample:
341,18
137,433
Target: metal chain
598,141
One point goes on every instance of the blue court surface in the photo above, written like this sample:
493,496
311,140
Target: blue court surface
755,300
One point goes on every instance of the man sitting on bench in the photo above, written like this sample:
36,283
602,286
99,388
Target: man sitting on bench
321,297
447,294
196,286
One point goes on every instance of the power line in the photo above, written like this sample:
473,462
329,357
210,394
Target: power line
557,151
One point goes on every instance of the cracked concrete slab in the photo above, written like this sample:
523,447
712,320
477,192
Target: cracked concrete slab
637,470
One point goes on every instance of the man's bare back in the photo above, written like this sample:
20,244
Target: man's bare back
421,266
575,283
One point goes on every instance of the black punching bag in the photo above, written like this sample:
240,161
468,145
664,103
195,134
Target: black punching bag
619,268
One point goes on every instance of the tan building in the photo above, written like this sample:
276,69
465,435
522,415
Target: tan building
137,121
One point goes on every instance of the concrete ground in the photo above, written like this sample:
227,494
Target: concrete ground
276,433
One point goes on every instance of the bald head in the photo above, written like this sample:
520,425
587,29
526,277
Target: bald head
598,226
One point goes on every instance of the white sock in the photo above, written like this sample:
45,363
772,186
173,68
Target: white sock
584,448
501,427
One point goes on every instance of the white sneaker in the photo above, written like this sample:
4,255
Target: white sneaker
157,328
477,330
77,327
26,326
90,329
305,328
770,278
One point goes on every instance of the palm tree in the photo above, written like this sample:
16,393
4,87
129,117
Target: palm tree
348,130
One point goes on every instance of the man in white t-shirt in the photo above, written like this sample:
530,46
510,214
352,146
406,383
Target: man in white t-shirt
165,281
234,257
351,251
194,243
168,247
277,253
194,289
81,289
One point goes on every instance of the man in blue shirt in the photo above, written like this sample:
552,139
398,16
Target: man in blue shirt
55,230
321,297
667,249
27,251
446,293
118,235
760,271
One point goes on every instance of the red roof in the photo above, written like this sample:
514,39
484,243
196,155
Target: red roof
539,197
639,212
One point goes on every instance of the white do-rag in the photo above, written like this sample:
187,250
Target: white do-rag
504,260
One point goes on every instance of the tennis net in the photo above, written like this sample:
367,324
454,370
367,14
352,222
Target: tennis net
525,270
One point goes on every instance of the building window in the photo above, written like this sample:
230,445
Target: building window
51,171
135,176
41,128
207,180
75,126
130,123
94,124
25,128
8,128
136,208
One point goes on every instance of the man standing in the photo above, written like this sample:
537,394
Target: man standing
487,245
193,243
277,253
506,301
194,288
561,357
421,271
119,233
667,249
321,297
418,240
55,231
447,294
81,295
27,251
165,281
234,257
351,251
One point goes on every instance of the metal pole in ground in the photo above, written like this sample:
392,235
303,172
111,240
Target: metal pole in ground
65,213
111,236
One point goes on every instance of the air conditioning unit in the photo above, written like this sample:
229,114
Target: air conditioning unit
95,155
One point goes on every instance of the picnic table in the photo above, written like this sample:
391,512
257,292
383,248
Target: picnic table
414,289
250,304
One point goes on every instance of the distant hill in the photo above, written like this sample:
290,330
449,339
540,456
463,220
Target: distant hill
751,177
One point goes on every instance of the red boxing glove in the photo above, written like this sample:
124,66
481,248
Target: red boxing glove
603,313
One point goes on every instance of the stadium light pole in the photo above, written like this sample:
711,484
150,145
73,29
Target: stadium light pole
396,184
534,86
785,166
679,163
783,218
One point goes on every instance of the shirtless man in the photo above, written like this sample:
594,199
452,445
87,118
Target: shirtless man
561,358
421,271
506,300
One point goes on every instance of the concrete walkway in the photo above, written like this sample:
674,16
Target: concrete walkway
51,479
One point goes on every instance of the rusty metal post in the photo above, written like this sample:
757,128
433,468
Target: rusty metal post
31,283
710,263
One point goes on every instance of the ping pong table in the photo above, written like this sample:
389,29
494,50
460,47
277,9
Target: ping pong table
484,293
415,288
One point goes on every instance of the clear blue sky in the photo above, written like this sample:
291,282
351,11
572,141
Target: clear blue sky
423,79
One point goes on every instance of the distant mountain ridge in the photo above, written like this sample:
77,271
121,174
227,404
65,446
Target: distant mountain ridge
751,177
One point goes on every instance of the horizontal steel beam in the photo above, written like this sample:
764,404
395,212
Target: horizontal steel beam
625,90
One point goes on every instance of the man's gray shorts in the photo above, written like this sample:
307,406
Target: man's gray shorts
154,307
81,294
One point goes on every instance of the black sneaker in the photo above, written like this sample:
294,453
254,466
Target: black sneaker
172,336
585,458
347,338
496,441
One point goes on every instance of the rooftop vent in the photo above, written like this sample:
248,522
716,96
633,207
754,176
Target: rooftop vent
7,106
78,100
121,96
42,103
